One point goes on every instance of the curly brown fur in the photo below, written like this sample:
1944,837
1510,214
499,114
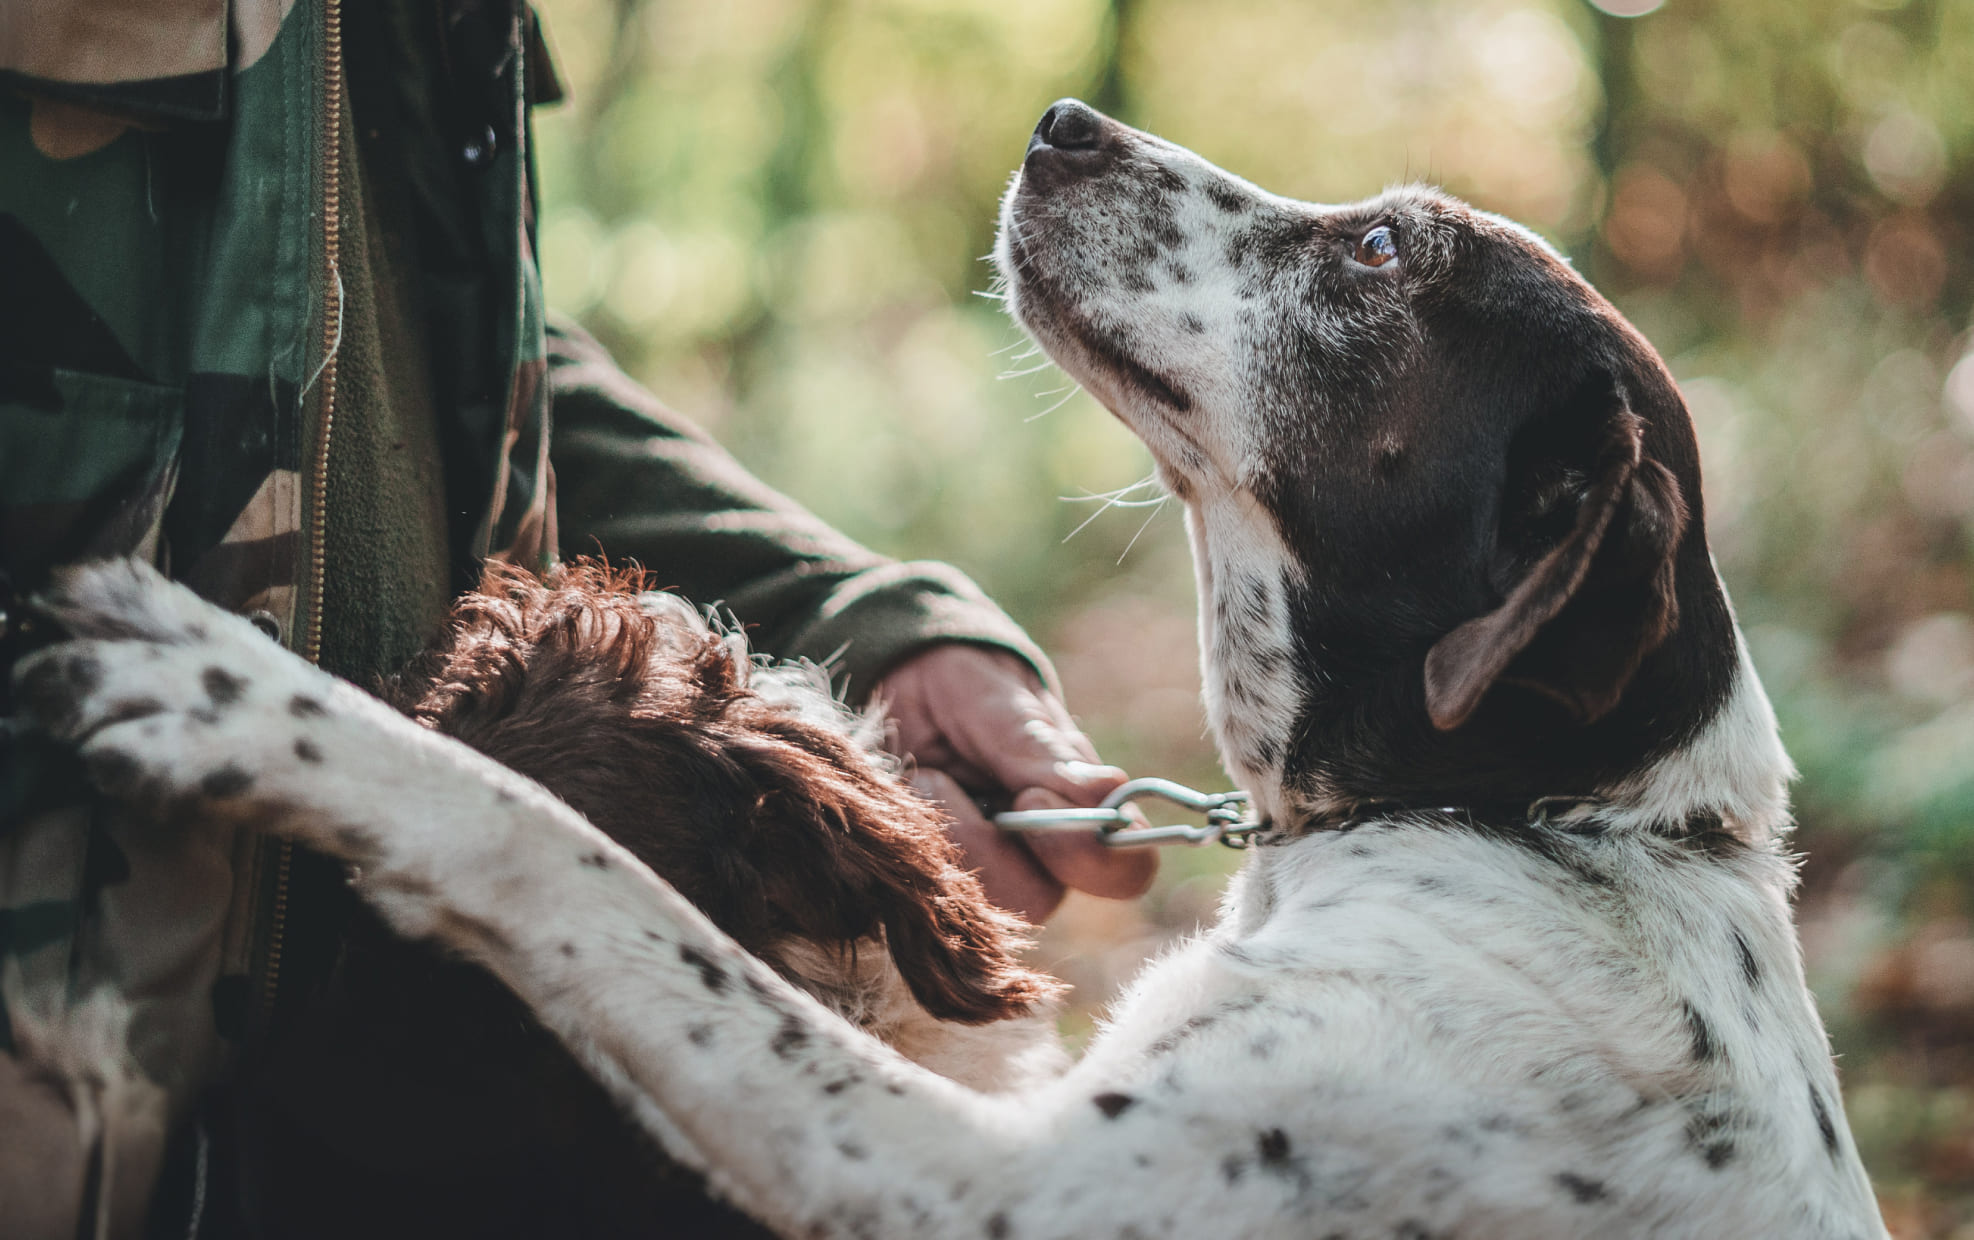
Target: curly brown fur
779,827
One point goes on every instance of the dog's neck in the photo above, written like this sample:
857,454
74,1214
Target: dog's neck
1280,716
1734,766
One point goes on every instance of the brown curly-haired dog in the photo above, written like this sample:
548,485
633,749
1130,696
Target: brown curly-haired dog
744,786
417,1097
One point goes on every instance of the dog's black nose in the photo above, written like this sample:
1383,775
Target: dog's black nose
1069,125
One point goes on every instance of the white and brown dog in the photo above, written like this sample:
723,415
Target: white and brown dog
1515,957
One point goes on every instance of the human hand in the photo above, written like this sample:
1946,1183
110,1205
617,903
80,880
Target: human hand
976,719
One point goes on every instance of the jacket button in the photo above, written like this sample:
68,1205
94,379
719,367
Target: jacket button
479,151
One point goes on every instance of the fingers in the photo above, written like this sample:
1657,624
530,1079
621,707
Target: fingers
1029,741
1085,862
1014,879
981,718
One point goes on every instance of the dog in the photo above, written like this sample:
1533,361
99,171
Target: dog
1513,954
413,1095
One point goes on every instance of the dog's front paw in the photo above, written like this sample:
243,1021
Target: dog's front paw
167,697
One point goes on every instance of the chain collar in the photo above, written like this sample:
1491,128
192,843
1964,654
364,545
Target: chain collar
1228,821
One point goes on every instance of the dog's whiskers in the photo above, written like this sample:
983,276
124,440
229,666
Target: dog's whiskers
1157,506
1068,394
1032,370
1120,498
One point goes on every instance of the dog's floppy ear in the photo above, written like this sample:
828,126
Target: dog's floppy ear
853,853
1600,522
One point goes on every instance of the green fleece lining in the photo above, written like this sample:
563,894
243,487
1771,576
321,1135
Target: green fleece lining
385,586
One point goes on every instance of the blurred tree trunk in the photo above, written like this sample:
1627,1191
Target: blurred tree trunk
1110,93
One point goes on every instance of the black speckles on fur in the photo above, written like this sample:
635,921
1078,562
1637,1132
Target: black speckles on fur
1113,1104
1193,324
50,689
82,674
840,1084
1824,1126
1274,1147
1750,968
1227,198
1275,1156
595,861
1232,1168
302,706
226,781
307,750
1167,1042
789,1039
711,975
1706,1048
115,771
852,1150
1238,248
996,1227
1582,1190
699,1035
222,686
569,950
1709,1135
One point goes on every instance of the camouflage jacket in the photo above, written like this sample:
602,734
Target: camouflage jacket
270,316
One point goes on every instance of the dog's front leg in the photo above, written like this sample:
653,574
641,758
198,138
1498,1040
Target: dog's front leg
801,1119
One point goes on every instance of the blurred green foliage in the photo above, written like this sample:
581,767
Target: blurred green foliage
773,212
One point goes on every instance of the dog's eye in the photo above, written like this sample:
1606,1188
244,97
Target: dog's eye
1377,247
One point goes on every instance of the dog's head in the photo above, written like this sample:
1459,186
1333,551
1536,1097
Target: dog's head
761,809
1445,501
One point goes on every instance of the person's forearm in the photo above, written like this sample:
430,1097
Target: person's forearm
636,481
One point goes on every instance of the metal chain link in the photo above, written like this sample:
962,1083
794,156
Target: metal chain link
1227,820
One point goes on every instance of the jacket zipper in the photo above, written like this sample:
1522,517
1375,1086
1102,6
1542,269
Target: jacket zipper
318,483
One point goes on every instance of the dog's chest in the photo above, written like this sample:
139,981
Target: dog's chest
1627,1019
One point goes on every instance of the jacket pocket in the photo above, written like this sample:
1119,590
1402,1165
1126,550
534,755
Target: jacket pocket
87,476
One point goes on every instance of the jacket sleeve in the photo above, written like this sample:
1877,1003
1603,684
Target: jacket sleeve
638,482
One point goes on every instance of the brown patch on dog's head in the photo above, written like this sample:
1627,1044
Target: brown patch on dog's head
774,825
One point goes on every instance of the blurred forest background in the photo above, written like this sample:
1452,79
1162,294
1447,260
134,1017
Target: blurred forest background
774,212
